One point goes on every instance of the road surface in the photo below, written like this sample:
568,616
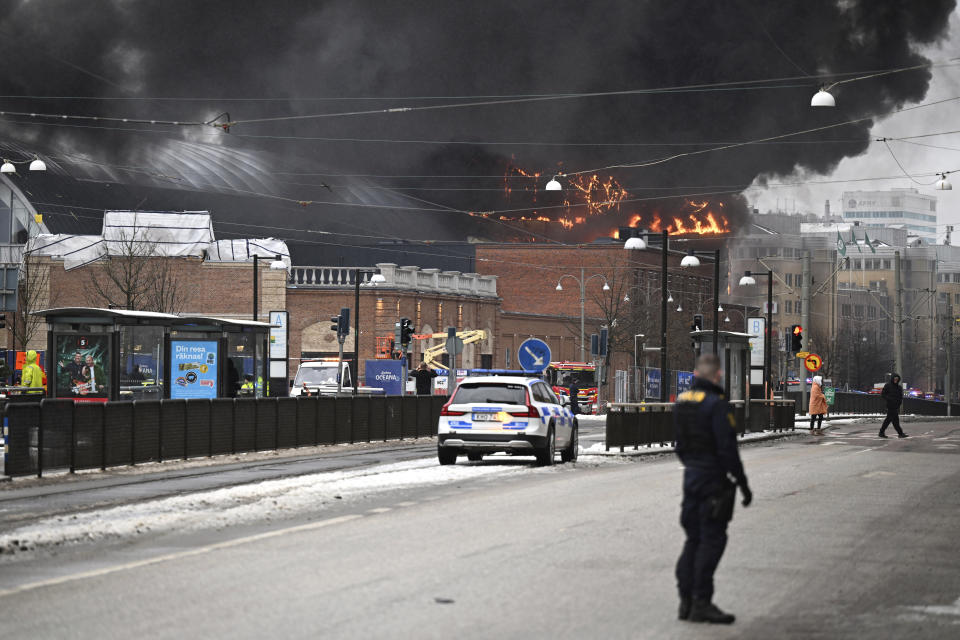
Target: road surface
849,537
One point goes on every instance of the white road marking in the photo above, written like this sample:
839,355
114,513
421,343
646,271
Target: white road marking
379,510
405,504
940,610
236,542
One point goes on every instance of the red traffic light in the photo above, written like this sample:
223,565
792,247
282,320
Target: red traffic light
797,329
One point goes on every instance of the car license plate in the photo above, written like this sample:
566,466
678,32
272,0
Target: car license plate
486,417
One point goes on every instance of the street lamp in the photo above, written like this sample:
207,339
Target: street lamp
35,165
748,280
691,260
276,265
582,281
375,279
640,243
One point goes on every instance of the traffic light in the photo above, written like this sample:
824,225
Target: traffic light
341,324
406,332
343,327
796,338
697,322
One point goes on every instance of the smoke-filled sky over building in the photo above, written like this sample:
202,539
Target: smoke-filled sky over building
497,91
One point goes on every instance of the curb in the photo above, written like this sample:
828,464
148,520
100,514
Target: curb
635,453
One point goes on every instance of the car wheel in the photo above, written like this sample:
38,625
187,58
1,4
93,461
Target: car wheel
546,455
446,456
474,457
569,454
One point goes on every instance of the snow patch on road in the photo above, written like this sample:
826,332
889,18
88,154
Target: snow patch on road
245,503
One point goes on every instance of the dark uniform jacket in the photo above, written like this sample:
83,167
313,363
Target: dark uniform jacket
707,439
424,379
892,393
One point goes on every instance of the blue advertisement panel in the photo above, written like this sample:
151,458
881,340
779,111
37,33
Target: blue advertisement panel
653,383
684,380
388,375
193,369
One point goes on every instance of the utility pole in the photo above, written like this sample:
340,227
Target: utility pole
949,348
933,329
805,323
897,315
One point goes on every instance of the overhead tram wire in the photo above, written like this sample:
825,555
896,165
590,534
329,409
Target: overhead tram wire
497,100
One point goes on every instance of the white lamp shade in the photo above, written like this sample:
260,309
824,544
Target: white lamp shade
8,167
559,288
822,98
626,298
680,307
554,185
38,165
669,297
719,308
634,243
747,281
690,261
377,278
606,287
942,184
727,319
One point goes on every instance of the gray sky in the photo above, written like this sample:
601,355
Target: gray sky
943,155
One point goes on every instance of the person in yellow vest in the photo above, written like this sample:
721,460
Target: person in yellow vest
246,389
32,375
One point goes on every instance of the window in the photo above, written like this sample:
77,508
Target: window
871,312
494,393
789,279
799,307
858,311
788,306
845,311
886,264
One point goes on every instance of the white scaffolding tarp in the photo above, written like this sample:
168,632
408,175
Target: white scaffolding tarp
162,234
244,250
75,251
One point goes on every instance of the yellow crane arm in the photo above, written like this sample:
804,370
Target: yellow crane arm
432,355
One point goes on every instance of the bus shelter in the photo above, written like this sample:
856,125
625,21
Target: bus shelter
734,352
95,355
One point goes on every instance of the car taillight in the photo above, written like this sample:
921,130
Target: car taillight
445,411
531,412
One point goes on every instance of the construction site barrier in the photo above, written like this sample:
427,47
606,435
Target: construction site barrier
59,434
644,424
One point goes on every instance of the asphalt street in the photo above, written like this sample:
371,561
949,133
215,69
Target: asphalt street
849,537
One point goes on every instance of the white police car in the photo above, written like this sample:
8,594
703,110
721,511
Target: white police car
516,414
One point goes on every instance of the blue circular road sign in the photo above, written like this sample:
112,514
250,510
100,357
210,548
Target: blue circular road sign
533,355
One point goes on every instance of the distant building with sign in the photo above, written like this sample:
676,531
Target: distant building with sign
914,211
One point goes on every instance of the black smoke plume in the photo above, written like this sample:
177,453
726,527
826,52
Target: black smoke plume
308,56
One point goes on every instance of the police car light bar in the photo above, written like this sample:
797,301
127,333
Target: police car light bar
503,372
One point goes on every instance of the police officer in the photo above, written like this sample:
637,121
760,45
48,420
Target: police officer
707,446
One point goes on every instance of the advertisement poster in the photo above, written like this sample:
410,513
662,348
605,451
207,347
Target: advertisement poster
653,383
83,367
389,375
684,381
278,335
193,369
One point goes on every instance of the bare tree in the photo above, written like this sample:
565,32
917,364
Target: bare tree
132,276
33,292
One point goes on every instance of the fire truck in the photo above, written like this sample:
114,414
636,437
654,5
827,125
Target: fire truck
559,375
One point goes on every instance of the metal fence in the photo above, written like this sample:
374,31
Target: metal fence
845,402
645,424
63,435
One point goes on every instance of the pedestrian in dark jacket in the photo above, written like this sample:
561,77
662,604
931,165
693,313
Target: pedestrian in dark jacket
424,378
706,433
893,395
574,390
